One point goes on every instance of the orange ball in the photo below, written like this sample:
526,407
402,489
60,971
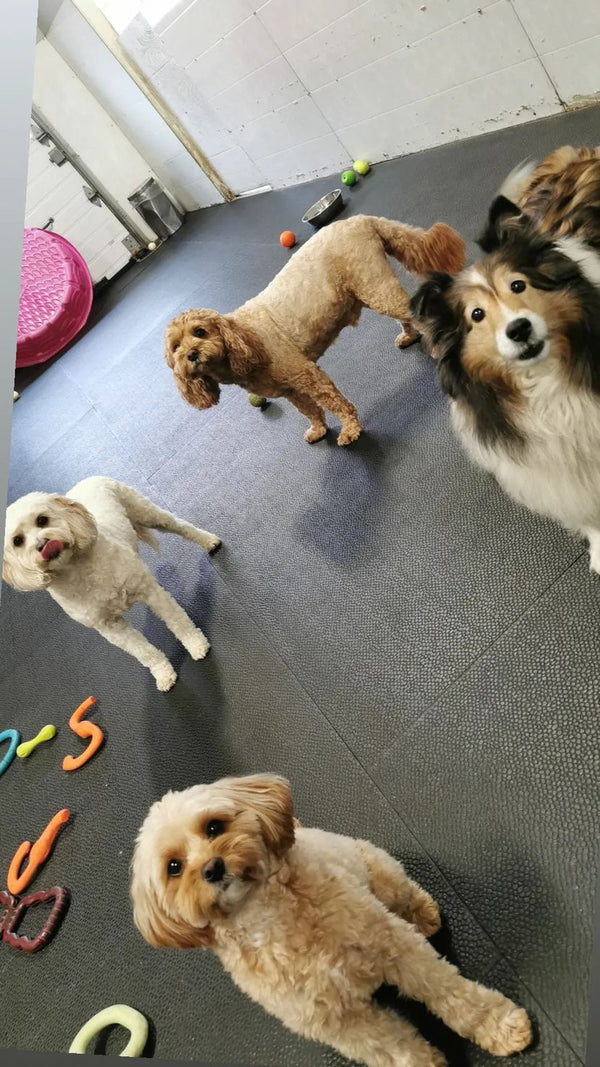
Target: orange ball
287,239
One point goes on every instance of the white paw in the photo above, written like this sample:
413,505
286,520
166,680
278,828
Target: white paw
198,646
212,543
595,561
165,678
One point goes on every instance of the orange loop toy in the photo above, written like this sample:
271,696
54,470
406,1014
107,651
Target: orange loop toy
83,729
38,853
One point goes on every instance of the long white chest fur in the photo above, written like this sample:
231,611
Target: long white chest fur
557,470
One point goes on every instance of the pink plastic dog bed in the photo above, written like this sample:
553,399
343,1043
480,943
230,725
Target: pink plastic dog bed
56,296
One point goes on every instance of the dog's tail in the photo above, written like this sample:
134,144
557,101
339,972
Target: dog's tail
515,185
422,251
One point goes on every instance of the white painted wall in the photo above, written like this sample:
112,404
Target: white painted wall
86,55
280,91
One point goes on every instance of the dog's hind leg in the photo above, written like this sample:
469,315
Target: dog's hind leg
381,291
391,885
313,385
307,406
144,513
482,1015
166,608
378,1038
124,636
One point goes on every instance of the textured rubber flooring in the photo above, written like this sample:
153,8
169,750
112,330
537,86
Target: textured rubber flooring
417,654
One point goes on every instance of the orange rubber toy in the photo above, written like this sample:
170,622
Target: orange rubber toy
83,729
38,853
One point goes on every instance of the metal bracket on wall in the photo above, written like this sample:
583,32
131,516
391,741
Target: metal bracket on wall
92,195
39,135
134,249
92,184
57,157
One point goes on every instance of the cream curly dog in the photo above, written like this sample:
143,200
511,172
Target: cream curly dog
271,344
309,924
83,548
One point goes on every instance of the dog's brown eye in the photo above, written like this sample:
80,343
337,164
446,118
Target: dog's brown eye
518,286
477,314
175,347
174,868
199,332
215,827
42,520
18,540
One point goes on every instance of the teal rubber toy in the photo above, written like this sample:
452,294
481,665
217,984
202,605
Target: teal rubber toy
14,737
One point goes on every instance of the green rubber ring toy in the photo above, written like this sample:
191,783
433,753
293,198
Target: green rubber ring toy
118,1015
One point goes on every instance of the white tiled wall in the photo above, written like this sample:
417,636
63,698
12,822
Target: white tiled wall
279,91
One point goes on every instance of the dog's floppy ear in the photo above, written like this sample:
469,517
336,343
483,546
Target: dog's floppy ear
497,227
19,576
159,929
244,350
429,301
200,392
269,797
81,523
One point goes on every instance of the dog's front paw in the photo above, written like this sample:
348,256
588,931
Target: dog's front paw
407,338
350,432
212,543
505,1033
198,646
426,915
165,678
315,433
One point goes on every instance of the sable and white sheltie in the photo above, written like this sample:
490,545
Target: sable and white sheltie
517,340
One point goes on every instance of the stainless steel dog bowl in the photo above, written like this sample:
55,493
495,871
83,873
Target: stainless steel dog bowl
325,209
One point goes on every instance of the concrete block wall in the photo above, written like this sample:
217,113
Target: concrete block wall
302,89
277,92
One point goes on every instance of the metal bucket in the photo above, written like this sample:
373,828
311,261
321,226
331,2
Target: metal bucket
156,209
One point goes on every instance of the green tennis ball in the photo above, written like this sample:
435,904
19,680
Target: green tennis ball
361,166
257,401
348,177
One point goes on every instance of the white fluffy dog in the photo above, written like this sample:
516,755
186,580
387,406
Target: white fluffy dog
309,924
83,548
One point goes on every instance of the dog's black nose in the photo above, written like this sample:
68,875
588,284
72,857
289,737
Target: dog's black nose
519,329
193,356
214,870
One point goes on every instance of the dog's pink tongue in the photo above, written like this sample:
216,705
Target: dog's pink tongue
51,550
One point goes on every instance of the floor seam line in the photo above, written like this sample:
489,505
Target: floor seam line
484,652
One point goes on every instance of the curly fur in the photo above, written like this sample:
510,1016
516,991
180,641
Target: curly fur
308,923
271,344
95,572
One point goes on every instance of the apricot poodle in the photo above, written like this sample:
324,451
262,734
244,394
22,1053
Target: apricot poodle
307,923
271,344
